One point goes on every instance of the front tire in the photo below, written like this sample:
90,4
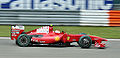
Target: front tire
85,42
83,34
23,40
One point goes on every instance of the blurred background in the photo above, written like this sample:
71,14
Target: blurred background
98,17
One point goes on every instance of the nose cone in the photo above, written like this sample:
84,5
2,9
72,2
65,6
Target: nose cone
98,38
104,39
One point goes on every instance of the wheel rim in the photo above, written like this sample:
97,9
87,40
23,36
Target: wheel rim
85,42
23,40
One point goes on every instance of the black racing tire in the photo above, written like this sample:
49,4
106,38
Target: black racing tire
85,42
23,40
16,42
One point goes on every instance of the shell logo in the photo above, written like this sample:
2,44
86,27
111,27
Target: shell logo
57,38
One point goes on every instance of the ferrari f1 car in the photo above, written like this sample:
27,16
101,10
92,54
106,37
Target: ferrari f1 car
46,35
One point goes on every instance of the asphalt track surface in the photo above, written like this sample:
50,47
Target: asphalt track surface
8,49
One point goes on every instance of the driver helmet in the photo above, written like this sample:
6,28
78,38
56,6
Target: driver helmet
57,31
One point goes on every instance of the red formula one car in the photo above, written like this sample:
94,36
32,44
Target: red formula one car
46,35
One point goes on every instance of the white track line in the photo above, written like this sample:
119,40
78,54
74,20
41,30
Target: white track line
113,39
4,37
107,39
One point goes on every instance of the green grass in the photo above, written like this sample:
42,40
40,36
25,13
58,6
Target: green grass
105,32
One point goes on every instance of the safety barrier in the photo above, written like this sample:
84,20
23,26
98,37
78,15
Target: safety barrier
45,17
112,18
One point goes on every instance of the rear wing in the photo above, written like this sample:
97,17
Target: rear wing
16,31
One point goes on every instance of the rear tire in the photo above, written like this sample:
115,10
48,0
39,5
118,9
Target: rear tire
16,42
23,40
85,42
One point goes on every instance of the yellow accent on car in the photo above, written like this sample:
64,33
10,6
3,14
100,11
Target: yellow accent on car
51,24
68,38
57,38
